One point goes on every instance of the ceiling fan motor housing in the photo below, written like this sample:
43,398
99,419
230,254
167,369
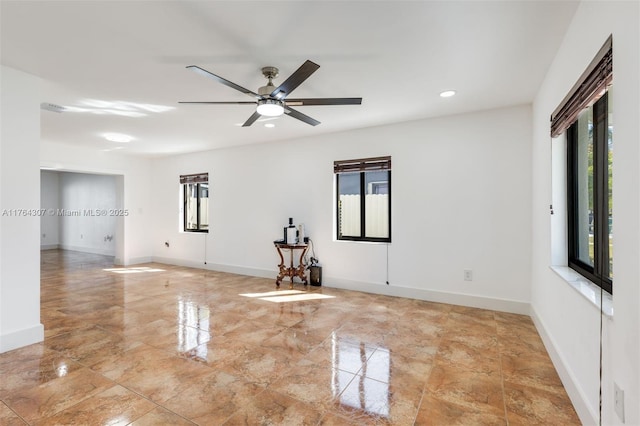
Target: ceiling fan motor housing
266,90
270,73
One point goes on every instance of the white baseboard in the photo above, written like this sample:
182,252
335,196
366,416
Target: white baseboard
105,252
179,262
49,246
232,269
20,338
474,301
501,305
134,261
578,398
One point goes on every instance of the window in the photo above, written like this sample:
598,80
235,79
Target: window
585,114
363,199
195,190
589,195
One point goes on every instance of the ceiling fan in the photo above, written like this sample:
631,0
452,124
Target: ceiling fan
273,101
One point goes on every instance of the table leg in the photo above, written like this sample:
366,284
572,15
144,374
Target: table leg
301,267
291,269
282,268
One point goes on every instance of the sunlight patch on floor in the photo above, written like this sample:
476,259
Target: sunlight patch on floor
137,270
280,296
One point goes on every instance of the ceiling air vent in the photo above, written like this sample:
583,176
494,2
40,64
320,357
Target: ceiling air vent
51,107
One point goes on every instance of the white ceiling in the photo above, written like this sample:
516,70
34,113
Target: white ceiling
398,56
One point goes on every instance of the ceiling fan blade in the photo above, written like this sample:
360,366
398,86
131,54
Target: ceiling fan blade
218,103
251,119
324,101
223,81
295,79
300,116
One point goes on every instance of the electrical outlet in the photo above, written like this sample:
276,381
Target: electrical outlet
619,401
468,275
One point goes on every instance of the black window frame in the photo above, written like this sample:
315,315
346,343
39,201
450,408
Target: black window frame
362,166
186,180
599,272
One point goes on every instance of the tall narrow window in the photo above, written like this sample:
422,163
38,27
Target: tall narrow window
585,114
363,199
195,190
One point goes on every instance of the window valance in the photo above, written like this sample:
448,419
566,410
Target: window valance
362,165
195,178
590,87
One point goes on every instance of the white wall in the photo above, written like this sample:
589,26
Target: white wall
49,200
19,189
132,242
568,322
94,199
460,200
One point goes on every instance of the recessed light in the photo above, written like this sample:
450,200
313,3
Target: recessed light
118,137
447,93
269,125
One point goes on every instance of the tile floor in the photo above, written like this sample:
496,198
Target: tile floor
157,344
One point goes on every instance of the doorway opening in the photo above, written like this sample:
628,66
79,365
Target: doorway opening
82,212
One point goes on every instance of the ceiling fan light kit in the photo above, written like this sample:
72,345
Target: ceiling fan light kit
270,107
272,101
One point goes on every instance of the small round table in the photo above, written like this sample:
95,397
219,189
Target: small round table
291,271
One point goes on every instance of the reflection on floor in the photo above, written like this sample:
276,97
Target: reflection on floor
161,344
